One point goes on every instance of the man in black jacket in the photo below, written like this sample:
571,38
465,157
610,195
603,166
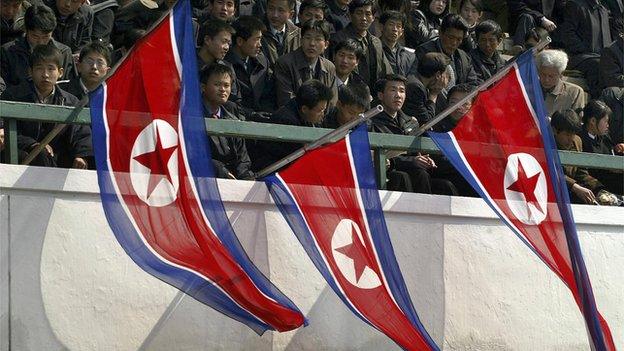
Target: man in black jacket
452,33
74,22
229,154
401,60
485,58
39,23
255,77
71,148
424,90
374,63
420,168
307,109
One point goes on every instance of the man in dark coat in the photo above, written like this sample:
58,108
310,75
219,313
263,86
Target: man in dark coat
452,32
374,63
307,109
612,64
12,19
74,22
281,35
71,148
339,13
305,63
39,22
353,99
485,58
424,88
392,28
586,32
229,154
254,74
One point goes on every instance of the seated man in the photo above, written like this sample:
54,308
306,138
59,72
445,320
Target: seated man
223,10
93,65
614,98
39,23
313,9
452,32
485,58
254,76
595,138
12,20
353,99
215,37
281,36
305,63
229,154
74,20
424,89
373,65
582,186
347,55
391,94
559,95
71,148
306,109
392,29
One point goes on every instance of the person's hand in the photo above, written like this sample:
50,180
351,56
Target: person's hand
425,161
548,24
619,148
1,139
584,194
48,149
79,163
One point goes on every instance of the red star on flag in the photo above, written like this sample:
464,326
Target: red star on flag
157,161
526,186
357,252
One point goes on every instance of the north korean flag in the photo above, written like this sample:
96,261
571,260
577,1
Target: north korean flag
504,147
330,200
157,186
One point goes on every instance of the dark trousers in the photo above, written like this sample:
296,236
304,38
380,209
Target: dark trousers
525,24
590,68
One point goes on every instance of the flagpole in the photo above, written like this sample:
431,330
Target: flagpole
327,138
483,86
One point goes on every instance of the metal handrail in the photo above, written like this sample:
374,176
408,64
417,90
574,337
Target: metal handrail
380,143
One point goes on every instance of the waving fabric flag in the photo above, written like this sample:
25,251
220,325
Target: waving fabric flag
330,200
157,186
504,147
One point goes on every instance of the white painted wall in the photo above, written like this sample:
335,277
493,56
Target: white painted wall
66,283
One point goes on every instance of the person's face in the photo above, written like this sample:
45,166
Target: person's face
68,7
93,68
217,88
313,44
450,40
392,31
488,42
278,13
219,45
461,110
565,140
437,6
470,13
36,37
347,113
311,13
345,62
250,47
393,96
362,18
9,9
45,74
315,114
603,125
549,77
223,9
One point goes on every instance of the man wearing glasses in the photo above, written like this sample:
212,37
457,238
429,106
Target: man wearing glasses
93,66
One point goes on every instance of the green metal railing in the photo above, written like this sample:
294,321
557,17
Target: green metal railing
381,144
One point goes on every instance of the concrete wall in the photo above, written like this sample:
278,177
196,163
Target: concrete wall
65,283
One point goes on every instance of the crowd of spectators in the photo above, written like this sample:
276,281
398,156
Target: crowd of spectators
321,63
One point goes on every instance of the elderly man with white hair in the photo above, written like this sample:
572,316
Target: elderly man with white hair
558,94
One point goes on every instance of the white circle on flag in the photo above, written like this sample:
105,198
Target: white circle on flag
526,189
163,189
344,235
